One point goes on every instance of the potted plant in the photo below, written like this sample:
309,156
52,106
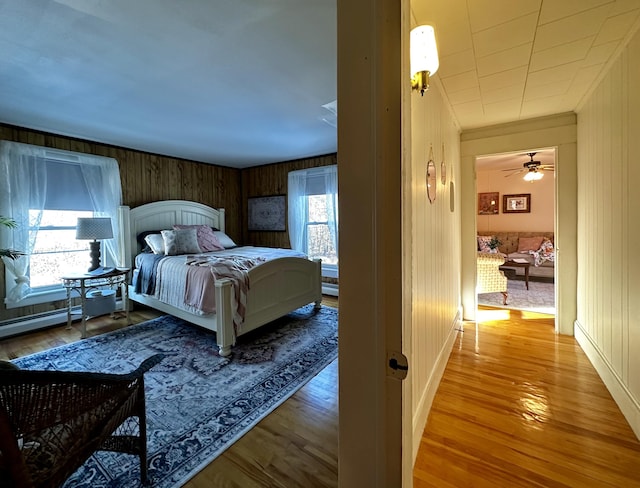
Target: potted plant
493,244
11,224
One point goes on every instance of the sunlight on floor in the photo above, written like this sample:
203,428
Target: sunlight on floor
495,314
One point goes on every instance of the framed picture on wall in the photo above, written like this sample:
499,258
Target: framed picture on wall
267,213
516,203
488,203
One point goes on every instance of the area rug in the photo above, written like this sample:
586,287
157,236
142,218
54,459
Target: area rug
538,298
198,403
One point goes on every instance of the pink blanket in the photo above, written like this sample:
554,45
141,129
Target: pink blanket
199,289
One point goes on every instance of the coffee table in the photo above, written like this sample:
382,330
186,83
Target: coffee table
514,264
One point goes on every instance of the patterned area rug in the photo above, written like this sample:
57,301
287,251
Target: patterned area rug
538,298
198,403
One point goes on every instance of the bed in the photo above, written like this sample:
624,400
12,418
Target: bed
276,287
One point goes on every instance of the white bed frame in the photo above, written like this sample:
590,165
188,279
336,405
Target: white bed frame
277,287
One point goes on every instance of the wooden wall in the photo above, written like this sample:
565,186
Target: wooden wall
268,180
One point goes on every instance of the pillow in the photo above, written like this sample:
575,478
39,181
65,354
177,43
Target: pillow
142,239
207,240
155,242
483,243
224,239
180,241
526,244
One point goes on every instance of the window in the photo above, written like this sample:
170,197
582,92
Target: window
313,215
45,192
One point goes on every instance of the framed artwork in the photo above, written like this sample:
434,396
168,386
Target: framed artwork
267,213
488,203
516,203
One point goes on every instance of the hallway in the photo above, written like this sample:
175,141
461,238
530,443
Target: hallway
520,406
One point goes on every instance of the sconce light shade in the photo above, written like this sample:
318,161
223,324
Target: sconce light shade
424,57
94,228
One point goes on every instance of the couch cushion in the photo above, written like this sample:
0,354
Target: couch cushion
529,243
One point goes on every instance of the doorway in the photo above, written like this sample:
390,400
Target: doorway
516,212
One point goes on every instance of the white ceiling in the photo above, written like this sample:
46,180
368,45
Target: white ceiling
505,60
243,82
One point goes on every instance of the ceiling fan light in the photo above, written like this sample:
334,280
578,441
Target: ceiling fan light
532,176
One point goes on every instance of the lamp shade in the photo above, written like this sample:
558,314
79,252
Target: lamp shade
424,52
532,176
94,228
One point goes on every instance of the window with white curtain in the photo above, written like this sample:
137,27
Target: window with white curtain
313,214
45,191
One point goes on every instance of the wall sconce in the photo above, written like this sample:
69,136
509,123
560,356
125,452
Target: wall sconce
424,57
94,228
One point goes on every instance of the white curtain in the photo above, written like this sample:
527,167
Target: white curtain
23,188
313,181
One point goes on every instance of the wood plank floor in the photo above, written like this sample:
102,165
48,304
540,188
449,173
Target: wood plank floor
520,406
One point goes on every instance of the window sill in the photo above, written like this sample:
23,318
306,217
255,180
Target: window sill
35,298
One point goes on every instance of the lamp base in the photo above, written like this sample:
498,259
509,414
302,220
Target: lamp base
95,255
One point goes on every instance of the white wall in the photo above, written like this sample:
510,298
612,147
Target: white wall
608,316
432,271
542,200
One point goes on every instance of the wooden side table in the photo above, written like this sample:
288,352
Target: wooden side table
84,283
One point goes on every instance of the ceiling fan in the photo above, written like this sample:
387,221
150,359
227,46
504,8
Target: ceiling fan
533,170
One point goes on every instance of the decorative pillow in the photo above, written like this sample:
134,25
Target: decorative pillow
207,239
180,241
155,242
224,239
142,239
526,244
483,243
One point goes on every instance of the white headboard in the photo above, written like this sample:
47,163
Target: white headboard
159,216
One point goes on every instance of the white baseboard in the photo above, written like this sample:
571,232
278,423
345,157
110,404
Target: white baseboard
629,406
426,400
330,289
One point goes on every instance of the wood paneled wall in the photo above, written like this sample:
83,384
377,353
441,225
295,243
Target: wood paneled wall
262,181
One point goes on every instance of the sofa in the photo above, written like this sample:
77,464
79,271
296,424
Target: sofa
537,248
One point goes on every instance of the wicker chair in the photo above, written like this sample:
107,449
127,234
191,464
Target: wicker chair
52,421
490,278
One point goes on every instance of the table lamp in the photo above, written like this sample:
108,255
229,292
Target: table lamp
95,228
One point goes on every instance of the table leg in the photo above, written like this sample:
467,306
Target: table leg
526,276
83,334
68,307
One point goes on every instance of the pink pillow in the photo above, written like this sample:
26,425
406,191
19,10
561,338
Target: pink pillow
526,244
207,240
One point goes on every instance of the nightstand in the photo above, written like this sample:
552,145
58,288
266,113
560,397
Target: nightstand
97,294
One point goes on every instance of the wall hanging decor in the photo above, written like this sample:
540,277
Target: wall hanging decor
267,213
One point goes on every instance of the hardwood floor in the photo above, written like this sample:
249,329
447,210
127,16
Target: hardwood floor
518,406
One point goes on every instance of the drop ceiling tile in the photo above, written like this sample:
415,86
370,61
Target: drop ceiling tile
501,94
465,96
557,73
504,78
615,28
543,106
484,14
463,81
559,55
570,29
469,114
555,10
622,6
600,54
444,13
457,63
504,109
453,38
548,90
516,32
504,60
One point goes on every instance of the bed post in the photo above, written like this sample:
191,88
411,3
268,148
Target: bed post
318,272
124,225
225,332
